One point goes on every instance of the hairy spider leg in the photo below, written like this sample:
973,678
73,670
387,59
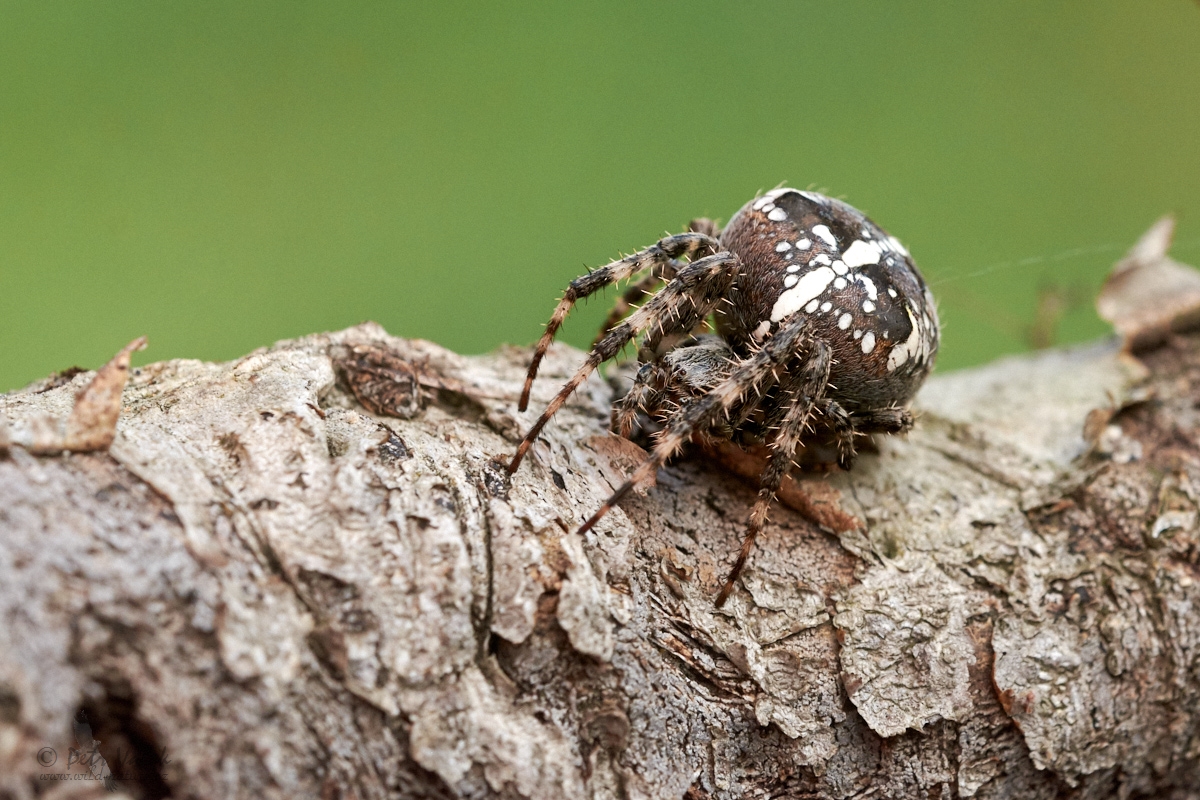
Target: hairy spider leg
681,244
647,284
662,271
882,420
645,395
774,413
712,275
746,376
685,320
666,383
846,425
804,390
843,432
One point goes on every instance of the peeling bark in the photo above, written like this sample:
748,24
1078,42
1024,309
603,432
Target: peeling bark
289,595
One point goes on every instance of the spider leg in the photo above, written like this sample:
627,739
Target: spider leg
711,275
583,286
662,271
685,373
883,420
689,322
844,427
808,386
700,413
646,394
673,330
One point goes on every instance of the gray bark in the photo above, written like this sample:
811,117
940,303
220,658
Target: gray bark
290,596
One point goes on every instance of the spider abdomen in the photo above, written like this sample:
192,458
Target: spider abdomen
810,255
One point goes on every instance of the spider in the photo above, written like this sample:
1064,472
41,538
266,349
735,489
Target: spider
824,326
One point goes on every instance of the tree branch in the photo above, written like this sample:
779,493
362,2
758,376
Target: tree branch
292,596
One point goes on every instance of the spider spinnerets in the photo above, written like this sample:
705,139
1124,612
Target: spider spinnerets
823,326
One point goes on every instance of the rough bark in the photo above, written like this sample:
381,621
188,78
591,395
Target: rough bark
291,596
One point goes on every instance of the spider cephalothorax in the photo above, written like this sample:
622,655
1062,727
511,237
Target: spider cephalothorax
824,324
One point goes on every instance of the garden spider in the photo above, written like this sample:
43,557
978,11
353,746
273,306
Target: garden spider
823,323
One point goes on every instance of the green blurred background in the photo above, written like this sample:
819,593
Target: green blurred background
221,175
